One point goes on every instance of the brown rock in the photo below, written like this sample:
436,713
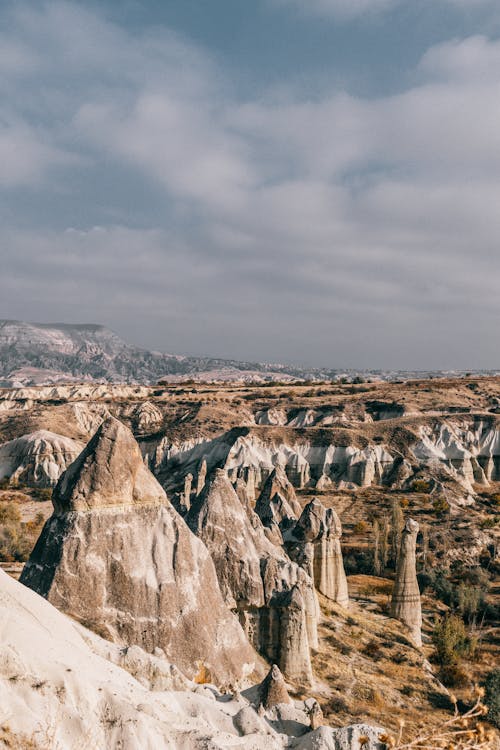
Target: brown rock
117,557
272,689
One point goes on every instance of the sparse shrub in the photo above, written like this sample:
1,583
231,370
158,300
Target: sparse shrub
421,485
42,494
453,675
17,538
361,527
373,650
450,640
469,599
336,705
492,696
489,523
404,502
440,506
359,563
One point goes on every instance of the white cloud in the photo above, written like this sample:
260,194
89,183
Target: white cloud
296,223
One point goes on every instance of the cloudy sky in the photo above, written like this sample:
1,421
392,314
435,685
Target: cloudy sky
310,181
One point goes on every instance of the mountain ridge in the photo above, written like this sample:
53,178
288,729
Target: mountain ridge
46,353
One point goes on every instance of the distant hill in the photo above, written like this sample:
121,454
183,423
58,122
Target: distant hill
41,353
35,353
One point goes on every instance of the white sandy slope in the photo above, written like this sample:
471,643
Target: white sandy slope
61,688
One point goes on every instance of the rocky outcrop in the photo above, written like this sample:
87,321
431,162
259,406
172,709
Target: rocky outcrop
272,690
201,476
273,597
405,604
470,449
315,540
186,495
63,686
277,503
117,557
37,459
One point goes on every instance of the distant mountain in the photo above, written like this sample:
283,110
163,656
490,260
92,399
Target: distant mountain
41,353
35,353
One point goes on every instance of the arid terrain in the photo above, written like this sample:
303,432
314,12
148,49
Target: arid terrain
376,453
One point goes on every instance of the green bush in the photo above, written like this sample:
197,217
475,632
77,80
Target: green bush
440,506
451,640
492,696
421,485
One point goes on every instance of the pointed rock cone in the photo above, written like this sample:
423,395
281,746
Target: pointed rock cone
220,520
277,502
311,522
405,605
110,471
117,557
272,689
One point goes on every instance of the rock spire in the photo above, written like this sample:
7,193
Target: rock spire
405,605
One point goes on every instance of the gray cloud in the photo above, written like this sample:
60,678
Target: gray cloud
347,10
340,230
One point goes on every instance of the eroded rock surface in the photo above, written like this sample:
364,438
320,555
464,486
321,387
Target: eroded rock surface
274,597
118,558
405,604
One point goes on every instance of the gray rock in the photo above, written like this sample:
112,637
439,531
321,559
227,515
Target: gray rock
257,578
345,738
405,604
117,557
277,503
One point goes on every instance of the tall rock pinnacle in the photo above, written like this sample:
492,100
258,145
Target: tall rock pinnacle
405,605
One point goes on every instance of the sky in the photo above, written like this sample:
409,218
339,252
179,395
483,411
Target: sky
304,181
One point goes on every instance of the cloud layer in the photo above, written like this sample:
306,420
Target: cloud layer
335,230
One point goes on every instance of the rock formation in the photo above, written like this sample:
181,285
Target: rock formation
202,475
277,503
63,686
273,597
405,605
117,557
37,459
315,544
186,495
272,689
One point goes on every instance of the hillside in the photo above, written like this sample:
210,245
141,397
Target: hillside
43,353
